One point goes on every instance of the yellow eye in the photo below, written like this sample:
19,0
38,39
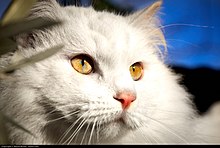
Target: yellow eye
136,71
82,64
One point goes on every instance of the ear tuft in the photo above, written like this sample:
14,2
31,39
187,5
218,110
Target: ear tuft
44,8
146,14
153,9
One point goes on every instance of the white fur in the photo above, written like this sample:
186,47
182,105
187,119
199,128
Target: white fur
40,93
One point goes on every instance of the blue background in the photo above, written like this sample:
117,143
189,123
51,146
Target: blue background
192,29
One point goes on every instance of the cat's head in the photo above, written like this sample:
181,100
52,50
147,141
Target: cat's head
109,78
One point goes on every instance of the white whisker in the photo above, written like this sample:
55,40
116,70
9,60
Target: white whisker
69,129
98,130
160,110
178,24
178,40
65,106
84,135
92,130
186,25
63,116
152,139
153,136
79,127
146,139
168,129
65,133
167,111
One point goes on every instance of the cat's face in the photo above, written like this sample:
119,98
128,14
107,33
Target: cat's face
107,80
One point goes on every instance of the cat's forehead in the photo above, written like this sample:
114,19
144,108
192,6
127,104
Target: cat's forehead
105,35
91,22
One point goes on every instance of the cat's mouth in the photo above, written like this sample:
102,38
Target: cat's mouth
121,118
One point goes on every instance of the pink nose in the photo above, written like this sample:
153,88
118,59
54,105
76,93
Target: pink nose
126,98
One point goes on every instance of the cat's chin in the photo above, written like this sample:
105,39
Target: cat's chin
112,131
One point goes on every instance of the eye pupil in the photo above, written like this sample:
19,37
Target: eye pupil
83,62
133,68
136,71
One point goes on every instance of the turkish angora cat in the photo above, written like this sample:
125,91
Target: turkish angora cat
108,84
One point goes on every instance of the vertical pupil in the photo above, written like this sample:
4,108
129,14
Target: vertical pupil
82,62
133,68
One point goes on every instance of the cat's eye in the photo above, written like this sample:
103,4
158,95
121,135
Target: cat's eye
136,71
82,64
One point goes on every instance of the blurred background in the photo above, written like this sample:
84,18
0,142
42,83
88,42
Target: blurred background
192,32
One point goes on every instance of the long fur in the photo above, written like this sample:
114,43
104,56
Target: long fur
61,106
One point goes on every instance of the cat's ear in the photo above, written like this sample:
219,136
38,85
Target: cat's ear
146,15
44,8
47,9
148,22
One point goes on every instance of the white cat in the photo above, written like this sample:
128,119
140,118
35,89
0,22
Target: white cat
107,86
